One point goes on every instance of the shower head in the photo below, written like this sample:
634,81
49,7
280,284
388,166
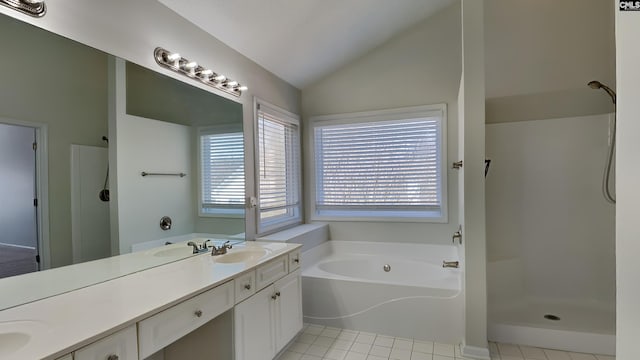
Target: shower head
598,85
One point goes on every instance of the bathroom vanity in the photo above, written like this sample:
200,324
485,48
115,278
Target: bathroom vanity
256,287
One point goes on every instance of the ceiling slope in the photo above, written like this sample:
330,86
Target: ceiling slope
303,40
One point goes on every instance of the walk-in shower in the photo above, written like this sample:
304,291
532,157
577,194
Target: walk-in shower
550,234
606,175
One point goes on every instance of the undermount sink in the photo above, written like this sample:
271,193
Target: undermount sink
241,255
15,335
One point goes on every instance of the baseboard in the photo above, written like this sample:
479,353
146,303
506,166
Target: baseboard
475,352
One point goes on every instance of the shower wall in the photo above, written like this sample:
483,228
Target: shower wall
550,233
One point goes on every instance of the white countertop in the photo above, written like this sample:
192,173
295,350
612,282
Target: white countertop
63,323
17,290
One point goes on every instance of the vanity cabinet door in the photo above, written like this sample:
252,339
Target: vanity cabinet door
122,345
288,308
254,335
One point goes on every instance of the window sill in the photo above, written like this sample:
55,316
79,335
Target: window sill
397,219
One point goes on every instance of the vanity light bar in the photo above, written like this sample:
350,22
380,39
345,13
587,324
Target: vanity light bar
35,8
175,62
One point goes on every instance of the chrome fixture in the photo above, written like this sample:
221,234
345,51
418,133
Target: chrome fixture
222,249
606,175
35,8
175,62
144,173
165,223
451,264
457,165
197,249
487,164
457,235
386,268
598,85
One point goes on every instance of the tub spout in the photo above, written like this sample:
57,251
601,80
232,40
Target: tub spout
450,264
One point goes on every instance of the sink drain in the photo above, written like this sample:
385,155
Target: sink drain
552,317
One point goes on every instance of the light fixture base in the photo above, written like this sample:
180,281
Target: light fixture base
33,8
191,69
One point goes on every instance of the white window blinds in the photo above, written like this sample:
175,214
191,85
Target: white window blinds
279,168
380,168
222,171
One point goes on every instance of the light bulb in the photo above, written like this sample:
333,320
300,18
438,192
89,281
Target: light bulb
232,84
220,78
206,72
190,65
243,88
173,57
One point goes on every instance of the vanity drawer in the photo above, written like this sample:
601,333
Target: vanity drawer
273,270
163,328
119,346
245,286
294,260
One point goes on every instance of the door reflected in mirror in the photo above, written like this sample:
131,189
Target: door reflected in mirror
82,196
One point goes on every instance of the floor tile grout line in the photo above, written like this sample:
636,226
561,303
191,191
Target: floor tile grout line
354,335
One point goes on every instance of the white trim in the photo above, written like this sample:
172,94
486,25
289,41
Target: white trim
475,352
42,188
404,113
293,119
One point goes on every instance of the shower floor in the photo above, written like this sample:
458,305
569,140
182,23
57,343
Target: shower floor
581,328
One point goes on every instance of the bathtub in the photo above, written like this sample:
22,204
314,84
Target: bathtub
344,284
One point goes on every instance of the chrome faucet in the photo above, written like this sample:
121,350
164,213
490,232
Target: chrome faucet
450,264
222,249
197,249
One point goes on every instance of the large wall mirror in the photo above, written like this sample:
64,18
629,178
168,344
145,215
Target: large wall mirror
56,92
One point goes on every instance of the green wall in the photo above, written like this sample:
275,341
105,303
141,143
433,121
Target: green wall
46,78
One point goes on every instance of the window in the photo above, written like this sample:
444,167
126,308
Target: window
384,165
221,171
278,169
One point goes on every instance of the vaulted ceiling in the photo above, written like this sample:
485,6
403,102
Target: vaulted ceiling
303,40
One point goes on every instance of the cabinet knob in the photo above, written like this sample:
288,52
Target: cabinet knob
248,286
296,260
274,296
198,313
113,357
277,293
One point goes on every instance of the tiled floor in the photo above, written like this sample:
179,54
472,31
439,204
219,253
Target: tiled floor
519,352
324,343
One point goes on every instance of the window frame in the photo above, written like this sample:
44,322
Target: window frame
291,118
230,212
397,114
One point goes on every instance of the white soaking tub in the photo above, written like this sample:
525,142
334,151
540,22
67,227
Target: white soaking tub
344,284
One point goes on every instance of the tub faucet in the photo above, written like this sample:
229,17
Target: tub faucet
222,249
450,264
